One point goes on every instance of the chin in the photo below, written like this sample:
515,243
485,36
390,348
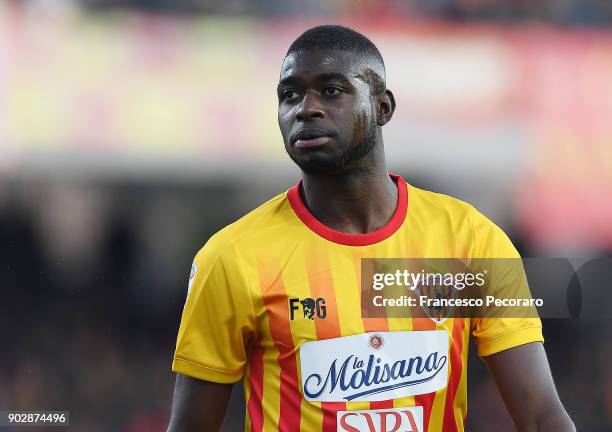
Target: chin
319,164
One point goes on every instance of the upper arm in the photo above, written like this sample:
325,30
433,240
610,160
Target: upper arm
511,346
524,380
217,327
198,405
218,323
499,329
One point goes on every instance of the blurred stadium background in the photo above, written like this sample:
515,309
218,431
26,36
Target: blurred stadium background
132,130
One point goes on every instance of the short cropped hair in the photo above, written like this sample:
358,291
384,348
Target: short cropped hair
336,37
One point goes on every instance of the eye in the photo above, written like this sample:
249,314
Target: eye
289,95
332,91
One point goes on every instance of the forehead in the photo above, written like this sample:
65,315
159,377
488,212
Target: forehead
309,64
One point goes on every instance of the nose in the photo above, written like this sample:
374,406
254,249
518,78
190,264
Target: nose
310,108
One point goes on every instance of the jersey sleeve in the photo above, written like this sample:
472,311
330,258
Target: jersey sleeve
493,334
218,321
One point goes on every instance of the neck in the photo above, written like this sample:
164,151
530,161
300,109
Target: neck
356,200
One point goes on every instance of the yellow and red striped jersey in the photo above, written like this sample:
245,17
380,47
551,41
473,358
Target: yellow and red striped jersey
274,298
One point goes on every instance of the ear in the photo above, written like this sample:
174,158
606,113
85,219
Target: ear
385,106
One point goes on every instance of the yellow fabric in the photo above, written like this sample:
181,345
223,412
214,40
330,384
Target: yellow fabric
237,312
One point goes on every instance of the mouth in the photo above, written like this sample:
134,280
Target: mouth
310,138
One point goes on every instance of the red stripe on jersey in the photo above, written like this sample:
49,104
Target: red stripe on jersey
450,423
254,406
330,410
382,404
275,299
424,400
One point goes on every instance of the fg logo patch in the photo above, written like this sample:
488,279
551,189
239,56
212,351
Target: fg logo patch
310,307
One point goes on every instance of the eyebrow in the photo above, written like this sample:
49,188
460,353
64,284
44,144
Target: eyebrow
327,76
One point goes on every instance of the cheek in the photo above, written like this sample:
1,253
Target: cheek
350,118
284,123
360,120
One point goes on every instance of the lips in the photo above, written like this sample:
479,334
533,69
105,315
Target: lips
310,138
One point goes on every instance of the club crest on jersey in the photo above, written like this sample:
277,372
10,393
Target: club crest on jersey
374,366
437,314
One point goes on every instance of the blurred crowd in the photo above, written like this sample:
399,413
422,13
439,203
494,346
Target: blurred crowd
93,278
572,12
92,282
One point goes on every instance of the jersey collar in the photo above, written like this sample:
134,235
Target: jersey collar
396,221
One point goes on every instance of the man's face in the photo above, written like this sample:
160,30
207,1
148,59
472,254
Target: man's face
325,111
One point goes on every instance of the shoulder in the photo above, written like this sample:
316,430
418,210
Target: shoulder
438,200
434,204
486,235
260,225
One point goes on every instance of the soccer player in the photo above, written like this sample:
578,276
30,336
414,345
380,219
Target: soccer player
274,298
